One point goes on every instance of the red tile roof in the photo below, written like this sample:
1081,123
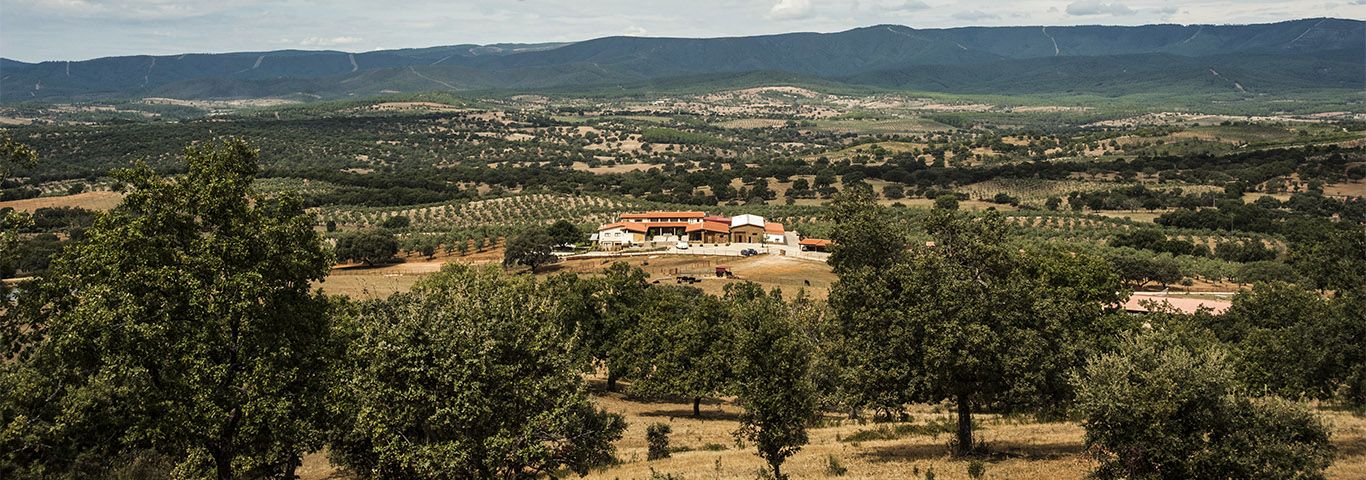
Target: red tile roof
773,227
647,215
815,242
710,226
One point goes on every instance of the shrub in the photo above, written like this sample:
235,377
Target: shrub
396,222
833,467
657,436
976,469
1167,405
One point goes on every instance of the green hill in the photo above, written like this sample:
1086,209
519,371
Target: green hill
1283,57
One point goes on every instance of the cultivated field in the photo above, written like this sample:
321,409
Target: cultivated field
99,201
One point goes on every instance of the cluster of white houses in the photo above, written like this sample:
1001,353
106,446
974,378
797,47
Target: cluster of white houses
632,229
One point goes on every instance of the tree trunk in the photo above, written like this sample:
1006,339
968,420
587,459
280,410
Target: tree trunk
696,407
964,425
611,380
222,462
778,471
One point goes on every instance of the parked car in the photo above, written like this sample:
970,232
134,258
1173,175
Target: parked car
681,245
749,251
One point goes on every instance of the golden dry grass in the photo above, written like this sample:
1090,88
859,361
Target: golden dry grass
1021,449
99,201
1347,189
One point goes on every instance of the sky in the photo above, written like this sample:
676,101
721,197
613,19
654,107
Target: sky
37,30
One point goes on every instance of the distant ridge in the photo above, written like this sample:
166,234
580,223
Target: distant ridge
1284,57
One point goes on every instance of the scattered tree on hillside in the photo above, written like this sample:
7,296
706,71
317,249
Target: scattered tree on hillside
681,346
563,232
532,248
772,372
1167,405
177,329
469,376
973,320
370,246
618,297
946,201
1271,319
396,222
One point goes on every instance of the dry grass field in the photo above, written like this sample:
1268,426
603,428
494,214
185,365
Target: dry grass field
1022,449
770,271
705,448
99,201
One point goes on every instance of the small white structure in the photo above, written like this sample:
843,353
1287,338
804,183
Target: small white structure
746,219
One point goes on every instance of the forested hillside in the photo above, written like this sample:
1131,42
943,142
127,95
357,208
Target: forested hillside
1269,58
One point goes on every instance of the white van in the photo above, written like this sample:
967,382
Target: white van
682,245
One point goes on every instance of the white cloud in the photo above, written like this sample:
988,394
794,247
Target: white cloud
900,6
635,31
1097,7
328,41
135,10
790,9
974,15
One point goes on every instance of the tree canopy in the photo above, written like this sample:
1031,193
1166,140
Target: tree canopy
180,326
371,246
469,376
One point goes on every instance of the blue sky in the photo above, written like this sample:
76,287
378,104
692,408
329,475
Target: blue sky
35,30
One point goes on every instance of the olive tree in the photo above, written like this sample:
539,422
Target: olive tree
468,376
182,325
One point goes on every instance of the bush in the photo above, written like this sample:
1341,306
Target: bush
657,436
396,222
1167,405
946,201
976,469
833,467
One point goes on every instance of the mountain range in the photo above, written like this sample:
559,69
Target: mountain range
1275,58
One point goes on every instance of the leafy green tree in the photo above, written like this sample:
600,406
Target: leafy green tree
1166,404
865,234
469,376
370,246
947,201
681,346
974,320
617,299
772,370
183,326
396,222
532,248
564,232
1335,260
1271,319
1139,269
13,155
